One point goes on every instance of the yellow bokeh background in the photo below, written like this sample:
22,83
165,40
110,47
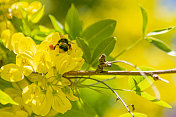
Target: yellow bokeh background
128,30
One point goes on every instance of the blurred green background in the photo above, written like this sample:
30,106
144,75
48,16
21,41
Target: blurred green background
161,14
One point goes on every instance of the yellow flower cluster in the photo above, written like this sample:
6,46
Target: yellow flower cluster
4,23
43,67
31,9
10,9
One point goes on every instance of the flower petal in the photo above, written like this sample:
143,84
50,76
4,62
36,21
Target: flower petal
6,38
11,73
16,8
53,38
34,7
42,61
21,113
25,61
60,102
69,94
15,41
27,44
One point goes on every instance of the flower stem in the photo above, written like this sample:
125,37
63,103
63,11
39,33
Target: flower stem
128,48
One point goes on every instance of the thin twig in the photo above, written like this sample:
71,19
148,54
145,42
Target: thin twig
128,48
103,81
157,94
87,86
148,73
118,97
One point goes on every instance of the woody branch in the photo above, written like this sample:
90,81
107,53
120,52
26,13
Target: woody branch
103,63
148,73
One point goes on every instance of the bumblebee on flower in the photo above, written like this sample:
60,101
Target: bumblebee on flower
63,44
43,66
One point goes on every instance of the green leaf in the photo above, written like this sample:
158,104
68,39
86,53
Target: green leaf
153,99
139,83
73,24
144,17
97,32
38,15
36,31
39,38
4,84
23,13
105,47
135,114
45,30
161,45
5,99
79,109
25,27
17,24
41,31
161,31
56,24
85,49
98,102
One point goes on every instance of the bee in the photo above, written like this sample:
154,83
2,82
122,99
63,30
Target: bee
63,44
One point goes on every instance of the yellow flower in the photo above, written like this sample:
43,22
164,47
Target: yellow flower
27,44
21,114
16,8
4,113
15,41
34,7
25,61
5,24
56,79
76,52
30,9
11,73
4,6
60,102
21,110
40,79
42,61
18,42
6,38
65,63
10,112
31,93
40,102
69,93
43,106
53,38
43,67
